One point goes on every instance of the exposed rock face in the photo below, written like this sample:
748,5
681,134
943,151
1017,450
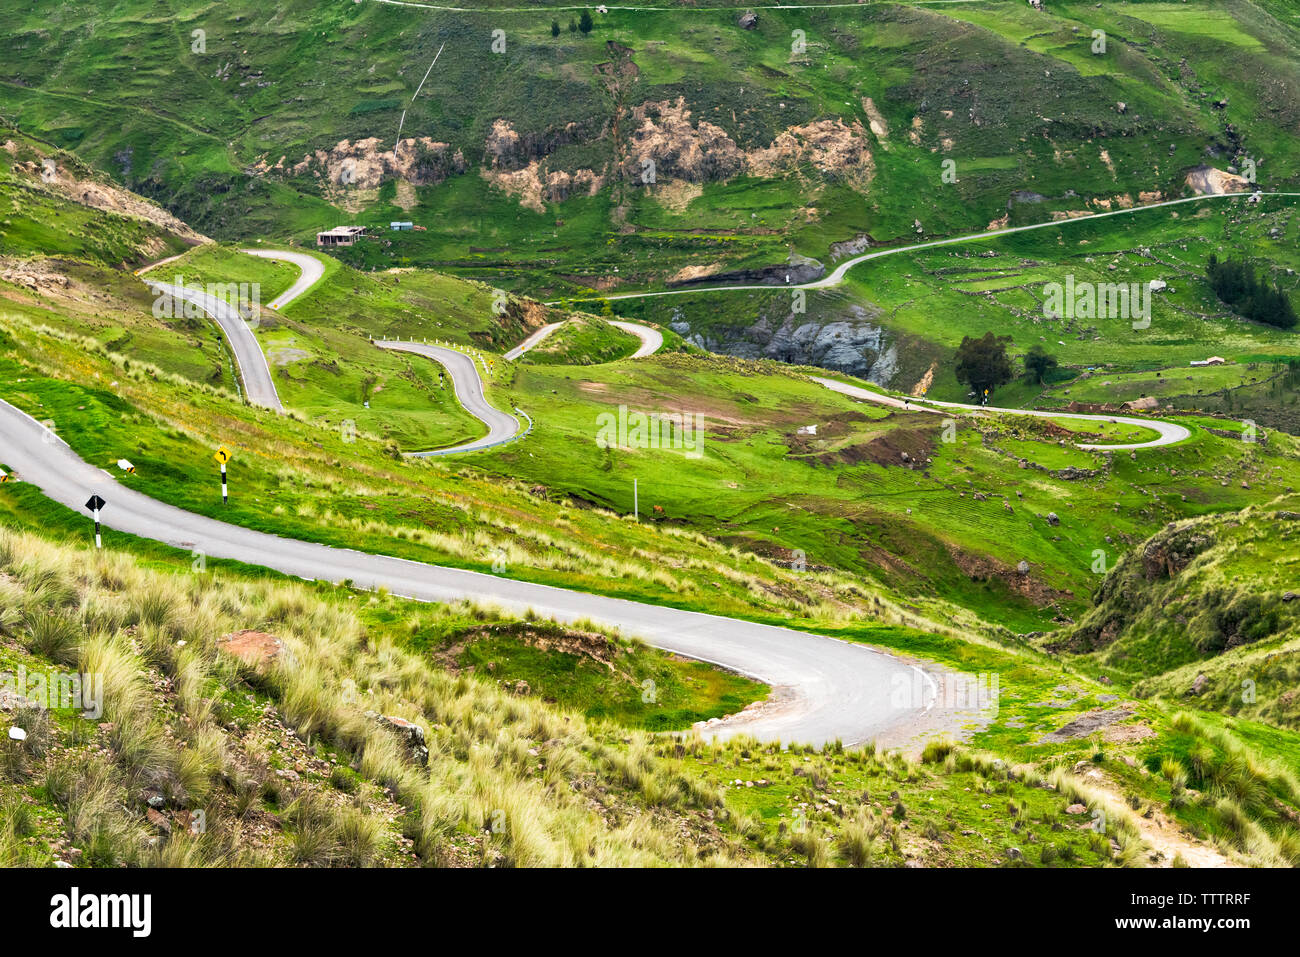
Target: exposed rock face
1169,552
798,270
363,165
662,133
682,151
1208,180
535,185
855,344
838,150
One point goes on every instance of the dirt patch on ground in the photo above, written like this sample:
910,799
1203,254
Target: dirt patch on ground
581,644
688,273
348,167
902,447
983,568
677,194
836,149
1161,833
701,152
876,120
535,185
923,386
254,648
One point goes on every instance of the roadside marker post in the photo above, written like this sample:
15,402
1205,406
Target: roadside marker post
95,503
223,456
636,505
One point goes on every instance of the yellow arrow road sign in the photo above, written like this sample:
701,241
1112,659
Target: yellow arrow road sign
222,455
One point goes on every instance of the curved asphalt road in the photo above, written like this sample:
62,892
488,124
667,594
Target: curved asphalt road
502,427
837,276
311,269
532,340
652,340
1169,432
823,689
259,387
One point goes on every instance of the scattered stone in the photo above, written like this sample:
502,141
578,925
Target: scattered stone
1053,519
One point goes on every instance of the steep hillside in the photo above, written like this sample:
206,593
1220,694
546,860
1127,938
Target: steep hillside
1206,610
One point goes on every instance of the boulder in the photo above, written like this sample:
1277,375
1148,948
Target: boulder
1053,519
410,734
748,20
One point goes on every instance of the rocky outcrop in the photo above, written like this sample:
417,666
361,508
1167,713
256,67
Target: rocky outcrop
363,165
1206,180
854,344
662,133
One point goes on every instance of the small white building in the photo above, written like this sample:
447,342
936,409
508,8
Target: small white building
1212,361
340,236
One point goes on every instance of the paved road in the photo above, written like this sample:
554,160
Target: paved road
310,271
1169,432
836,277
532,340
652,340
259,387
823,688
502,427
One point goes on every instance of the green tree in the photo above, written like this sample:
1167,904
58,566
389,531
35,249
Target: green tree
585,23
555,28
573,26
983,364
1038,362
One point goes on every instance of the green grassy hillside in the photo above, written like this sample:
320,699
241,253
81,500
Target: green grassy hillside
1205,611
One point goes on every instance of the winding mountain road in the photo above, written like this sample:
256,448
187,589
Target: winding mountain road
652,340
465,380
836,277
823,689
311,269
1169,433
259,387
